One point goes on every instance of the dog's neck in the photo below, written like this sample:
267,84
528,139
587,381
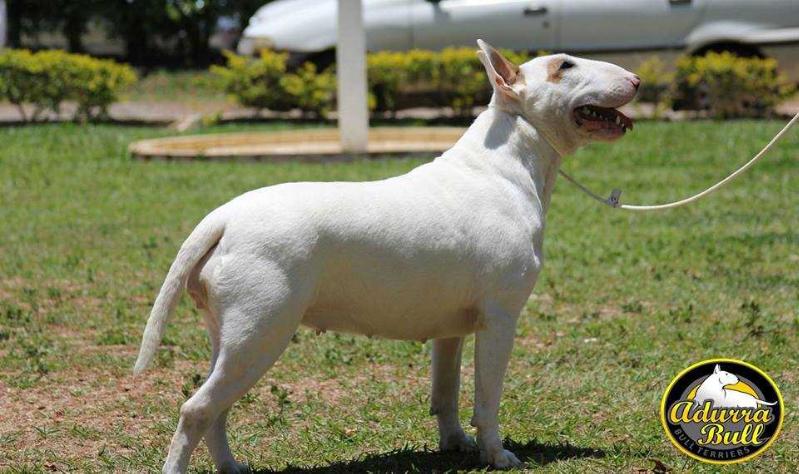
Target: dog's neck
514,148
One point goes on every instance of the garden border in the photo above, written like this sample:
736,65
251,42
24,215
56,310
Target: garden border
312,144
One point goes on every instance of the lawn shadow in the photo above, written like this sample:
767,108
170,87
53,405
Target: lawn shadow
423,459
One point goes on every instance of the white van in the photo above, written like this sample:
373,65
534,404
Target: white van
624,32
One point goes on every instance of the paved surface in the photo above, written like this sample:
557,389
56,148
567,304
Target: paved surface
789,108
146,113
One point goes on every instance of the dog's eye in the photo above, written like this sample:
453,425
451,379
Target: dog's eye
566,65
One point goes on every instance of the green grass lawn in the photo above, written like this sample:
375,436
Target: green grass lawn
625,302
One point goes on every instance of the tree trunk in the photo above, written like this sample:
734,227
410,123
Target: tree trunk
136,47
74,28
14,25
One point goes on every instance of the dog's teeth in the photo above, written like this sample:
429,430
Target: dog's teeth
618,120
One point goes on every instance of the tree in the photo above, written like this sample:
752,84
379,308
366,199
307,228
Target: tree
69,17
154,31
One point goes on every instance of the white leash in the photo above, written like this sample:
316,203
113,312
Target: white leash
613,200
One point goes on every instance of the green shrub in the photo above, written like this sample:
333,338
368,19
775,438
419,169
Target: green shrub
266,83
462,81
729,86
313,92
255,82
47,79
453,77
97,84
422,66
655,80
387,71
26,79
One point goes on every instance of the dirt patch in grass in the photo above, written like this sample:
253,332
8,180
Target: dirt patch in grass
83,412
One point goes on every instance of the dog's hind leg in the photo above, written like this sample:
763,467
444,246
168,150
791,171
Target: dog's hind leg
216,436
444,401
256,325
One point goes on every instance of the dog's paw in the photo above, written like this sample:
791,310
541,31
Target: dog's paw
234,467
458,442
501,459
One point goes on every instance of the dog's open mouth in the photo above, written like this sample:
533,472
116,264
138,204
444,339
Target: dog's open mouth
603,121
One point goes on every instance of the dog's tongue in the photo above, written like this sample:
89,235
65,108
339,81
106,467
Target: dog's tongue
595,125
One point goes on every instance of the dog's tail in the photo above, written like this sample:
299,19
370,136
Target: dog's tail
202,239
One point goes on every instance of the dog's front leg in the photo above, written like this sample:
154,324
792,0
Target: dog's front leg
444,401
492,352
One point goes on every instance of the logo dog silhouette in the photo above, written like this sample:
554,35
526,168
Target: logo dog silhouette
713,389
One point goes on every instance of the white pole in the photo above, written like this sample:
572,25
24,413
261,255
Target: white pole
3,24
353,112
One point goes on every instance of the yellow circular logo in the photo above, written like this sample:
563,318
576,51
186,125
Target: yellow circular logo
722,411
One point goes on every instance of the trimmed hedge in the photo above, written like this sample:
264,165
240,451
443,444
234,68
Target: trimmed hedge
264,83
254,82
47,79
453,77
655,80
723,84
727,85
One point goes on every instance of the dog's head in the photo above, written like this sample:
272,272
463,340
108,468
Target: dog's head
571,101
725,378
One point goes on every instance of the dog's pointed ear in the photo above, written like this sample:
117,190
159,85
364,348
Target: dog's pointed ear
716,369
502,73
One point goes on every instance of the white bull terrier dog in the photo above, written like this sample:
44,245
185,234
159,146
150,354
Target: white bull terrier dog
451,248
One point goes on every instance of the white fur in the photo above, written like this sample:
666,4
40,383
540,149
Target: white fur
712,389
451,248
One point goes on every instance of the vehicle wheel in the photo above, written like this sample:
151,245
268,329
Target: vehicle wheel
738,49
322,60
